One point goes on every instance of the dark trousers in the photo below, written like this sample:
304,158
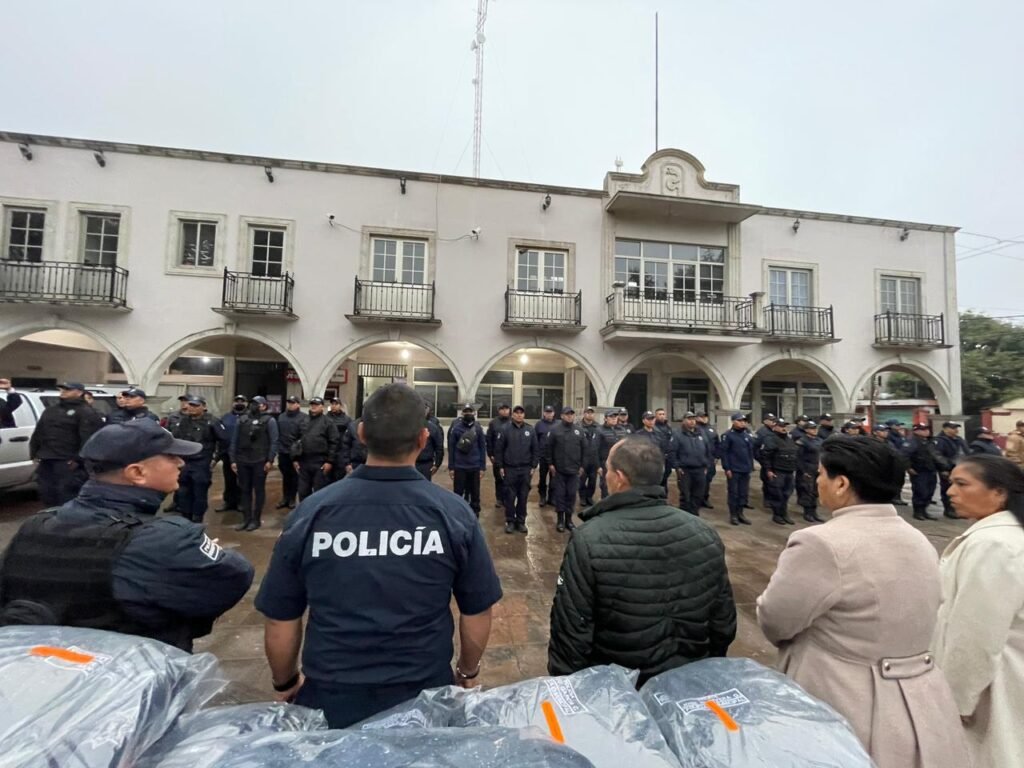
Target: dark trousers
424,467
231,491
545,488
763,474
345,705
664,477
604,486
708,477
252,488
467,485
944,484
517,492
589,485
565,489
499,484
807,490
194,486
337,473
923,487
692,484
739,490
311,477
59,481
779,492
289,477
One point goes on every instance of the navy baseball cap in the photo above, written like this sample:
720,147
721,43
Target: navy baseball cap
134,441
72,385
316,401
894,423
241,399
134,392
503,405
951,425
702,414
184,398
260,400
549,409
588,409
811,424
567,409
611,413
984,431
647,415
519,409
293,399
689,415
740,417
769,417
196,400
922,425
880,428
825,417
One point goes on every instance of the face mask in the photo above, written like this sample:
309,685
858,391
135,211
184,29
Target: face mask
469,418
254,409
239,407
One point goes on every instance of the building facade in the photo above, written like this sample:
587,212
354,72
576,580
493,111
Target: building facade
661,289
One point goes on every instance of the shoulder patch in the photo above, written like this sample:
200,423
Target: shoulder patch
70,412
526,432
210,548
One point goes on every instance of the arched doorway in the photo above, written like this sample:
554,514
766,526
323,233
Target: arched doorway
678,383
898,389
789,387
43,355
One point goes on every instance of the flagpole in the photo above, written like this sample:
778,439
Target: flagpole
655,82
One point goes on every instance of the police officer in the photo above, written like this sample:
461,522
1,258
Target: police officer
779,459
563,451
133,407
738,463
198,426
826,426
665,443
493,428
105,561
924,469
624,426
798,430
432,456
880,432
607,436
11,402
314,453
353,451
402,548
541,429
253,448
230,421
591,453
668,436
516,456
984,442
711,438
764,432
289,424
897,441
338,413
952,448
173,418
467,457
851,429
59,435
692,455
808,454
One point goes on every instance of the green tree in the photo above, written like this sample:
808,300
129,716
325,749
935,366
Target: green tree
991,361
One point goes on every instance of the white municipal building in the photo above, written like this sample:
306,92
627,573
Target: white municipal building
181,269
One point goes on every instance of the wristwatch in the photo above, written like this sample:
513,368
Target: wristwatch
463,676
287,685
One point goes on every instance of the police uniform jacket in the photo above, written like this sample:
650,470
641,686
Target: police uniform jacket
516,447
951,449
667,446
353,451
289,425
174,419
824,433
591,447
205,429
691,450
402,547
711,438
341,420
808,454
493,428
760,437
542,428
985,446
318,439
433,451
123,415
254,440
922,454
606,438
779,453
564,448
62,430
737,451
477,456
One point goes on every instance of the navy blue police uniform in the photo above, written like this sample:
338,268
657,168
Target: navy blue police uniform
711,438
925,462
779,458
591,455
607,436
467,458
432,456
400,547
692,455
495,426
983,445
62,430
542,428
807,468
738,463
232,495
564,452
289,424
318,444
197,475
516,454
253,449
353,450
952,448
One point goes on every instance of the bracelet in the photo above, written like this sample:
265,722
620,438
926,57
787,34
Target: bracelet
288,685
463,676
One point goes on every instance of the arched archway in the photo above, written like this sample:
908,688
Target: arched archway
699,362
925,372
796,366
547,345
11,335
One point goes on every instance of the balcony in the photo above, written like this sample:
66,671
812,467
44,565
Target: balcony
896,329
59,282
543,309
799,325
710,319
246,294
381,302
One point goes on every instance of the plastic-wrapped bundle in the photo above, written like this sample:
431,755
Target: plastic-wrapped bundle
193,742
433,708
399,748
84,698
736,713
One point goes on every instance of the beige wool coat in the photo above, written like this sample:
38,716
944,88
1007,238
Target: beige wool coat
979,638
851,607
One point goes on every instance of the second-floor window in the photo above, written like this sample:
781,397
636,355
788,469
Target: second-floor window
23,234
789,287
198,241
101,233
399,261
681,272
539,270
267,250
901,295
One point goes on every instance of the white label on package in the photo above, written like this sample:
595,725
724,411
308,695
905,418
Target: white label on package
564,696
725,699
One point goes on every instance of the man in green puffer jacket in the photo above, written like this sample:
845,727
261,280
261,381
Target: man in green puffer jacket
642,584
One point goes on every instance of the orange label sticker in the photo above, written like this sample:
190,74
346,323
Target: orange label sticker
552,720
64,654
725,717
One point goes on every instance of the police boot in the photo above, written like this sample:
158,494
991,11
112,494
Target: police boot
950,513
560,527
742,518
778,519
246,519
787,519
255,522
811,516
569,524
920,514
734,517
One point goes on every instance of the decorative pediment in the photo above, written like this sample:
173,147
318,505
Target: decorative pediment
672,173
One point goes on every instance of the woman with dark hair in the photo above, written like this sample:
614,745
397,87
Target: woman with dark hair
851,608
979,638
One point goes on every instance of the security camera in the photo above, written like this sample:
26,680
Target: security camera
475,231
330,219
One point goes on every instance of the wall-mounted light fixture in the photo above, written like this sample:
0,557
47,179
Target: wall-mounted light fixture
101,159
270,173
904,234
796,226
401,183
25,151
546,204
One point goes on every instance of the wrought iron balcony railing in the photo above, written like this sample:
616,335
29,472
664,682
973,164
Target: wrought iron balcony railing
60,282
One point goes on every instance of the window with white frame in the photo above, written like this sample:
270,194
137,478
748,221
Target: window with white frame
101,233
399,261
197,242
267,251
789,287
901,295
23,234
682,272
541,270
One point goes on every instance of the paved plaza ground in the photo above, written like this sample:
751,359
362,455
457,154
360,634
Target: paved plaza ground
528,566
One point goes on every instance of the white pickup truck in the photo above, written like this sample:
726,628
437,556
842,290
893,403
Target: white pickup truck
16,468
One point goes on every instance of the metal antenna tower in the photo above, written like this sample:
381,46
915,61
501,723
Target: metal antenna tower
478,83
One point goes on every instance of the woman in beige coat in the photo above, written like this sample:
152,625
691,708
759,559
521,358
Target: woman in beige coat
851,607
979,638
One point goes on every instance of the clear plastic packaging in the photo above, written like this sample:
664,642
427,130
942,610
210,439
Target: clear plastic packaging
84,698
736,713
193,741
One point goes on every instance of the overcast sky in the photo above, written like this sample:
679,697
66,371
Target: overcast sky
896,109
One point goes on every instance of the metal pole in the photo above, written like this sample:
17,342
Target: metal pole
656,88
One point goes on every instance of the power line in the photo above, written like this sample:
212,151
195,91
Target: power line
975,252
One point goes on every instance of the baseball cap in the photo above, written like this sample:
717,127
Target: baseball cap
134,392
184,398
740,417
781,423
851,424
702,414
196,400
611,413
502,405
335,400
259,399
689,415
567,409
984,431
880,428
519,409
948,424
894,423
922,425
134,441
72,385
648,415
588,409
293,399
825,417
241,399
468,408
316,401
802,417
811,424
549,409
769,417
